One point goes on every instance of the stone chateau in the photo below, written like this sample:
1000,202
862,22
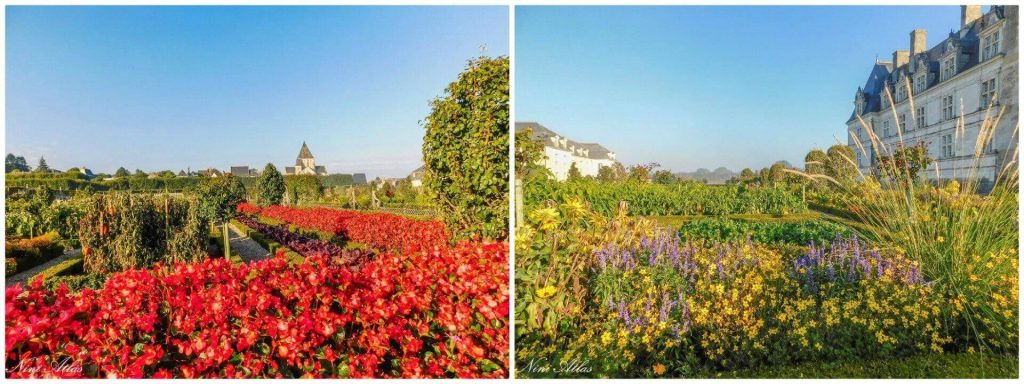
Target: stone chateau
967,72
561,153
305,164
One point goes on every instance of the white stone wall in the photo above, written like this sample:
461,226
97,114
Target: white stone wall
966,91
559,161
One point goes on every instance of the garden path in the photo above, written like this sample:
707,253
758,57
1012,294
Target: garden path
23,277
247,248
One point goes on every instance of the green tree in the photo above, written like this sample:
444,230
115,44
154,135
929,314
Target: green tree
121,172
664,176
218,201
303,188
815,162
140,173
16,163
574,172
906,162
529,166
841,164
270,186
776,173
167,174
605,173
642,172
42,167
465,150
747,175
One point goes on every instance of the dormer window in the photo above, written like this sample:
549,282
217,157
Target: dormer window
921,83
990,46
948,68
901,88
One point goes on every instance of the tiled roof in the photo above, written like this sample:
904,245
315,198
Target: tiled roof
543,134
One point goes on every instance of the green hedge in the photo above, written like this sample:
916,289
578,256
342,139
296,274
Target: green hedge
797,233
685,198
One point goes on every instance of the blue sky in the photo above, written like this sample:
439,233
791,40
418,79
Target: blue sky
174,87
692,87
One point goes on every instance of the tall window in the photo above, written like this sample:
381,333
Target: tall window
991,46
921,120
885,129
901,92
948,68
920,84
947,107
988,93
947,146
903,122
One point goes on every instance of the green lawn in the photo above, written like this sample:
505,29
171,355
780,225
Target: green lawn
926,366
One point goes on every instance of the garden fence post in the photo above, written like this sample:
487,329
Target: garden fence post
227,241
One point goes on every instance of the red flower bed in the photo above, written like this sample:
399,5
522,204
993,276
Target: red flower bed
431,313
383,231
247,208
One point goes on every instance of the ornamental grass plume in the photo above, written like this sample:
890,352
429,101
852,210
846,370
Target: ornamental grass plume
966,242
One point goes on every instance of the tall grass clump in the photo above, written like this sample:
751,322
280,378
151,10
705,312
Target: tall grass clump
965,241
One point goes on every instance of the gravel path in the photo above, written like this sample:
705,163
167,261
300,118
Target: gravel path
24,276
247,248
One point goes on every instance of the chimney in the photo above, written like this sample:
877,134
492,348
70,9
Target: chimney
900,58
918,41
969,13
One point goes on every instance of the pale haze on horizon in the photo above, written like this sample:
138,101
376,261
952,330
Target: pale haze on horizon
695,87
171,88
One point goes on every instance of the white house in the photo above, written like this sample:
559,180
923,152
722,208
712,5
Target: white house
967,72
561,153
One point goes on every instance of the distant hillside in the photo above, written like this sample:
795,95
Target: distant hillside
719,176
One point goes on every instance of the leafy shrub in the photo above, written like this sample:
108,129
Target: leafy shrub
122,231
431,313
731,230
27,253
465,150
648,199
76,283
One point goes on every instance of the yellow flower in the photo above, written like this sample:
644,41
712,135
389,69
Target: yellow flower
606,338
940,239
659,369
546,217
546,292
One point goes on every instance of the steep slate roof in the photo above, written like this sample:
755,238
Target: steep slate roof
543,134
966,40
304,152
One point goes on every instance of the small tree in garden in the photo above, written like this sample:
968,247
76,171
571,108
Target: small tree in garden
303,188
841,164
465,150
219,197
121,172
664,176
270,186
574,172
529,154
42,167
642,172
905,163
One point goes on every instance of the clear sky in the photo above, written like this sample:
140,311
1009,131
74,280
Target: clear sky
174,87
692,87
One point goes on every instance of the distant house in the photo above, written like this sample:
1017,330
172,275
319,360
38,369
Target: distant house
210,172
561,153
243,171
305,164
359,179
85,171
417,176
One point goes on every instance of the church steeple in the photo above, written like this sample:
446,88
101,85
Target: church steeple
304,152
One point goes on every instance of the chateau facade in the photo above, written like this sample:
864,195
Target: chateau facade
305,164
968,75
561,153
